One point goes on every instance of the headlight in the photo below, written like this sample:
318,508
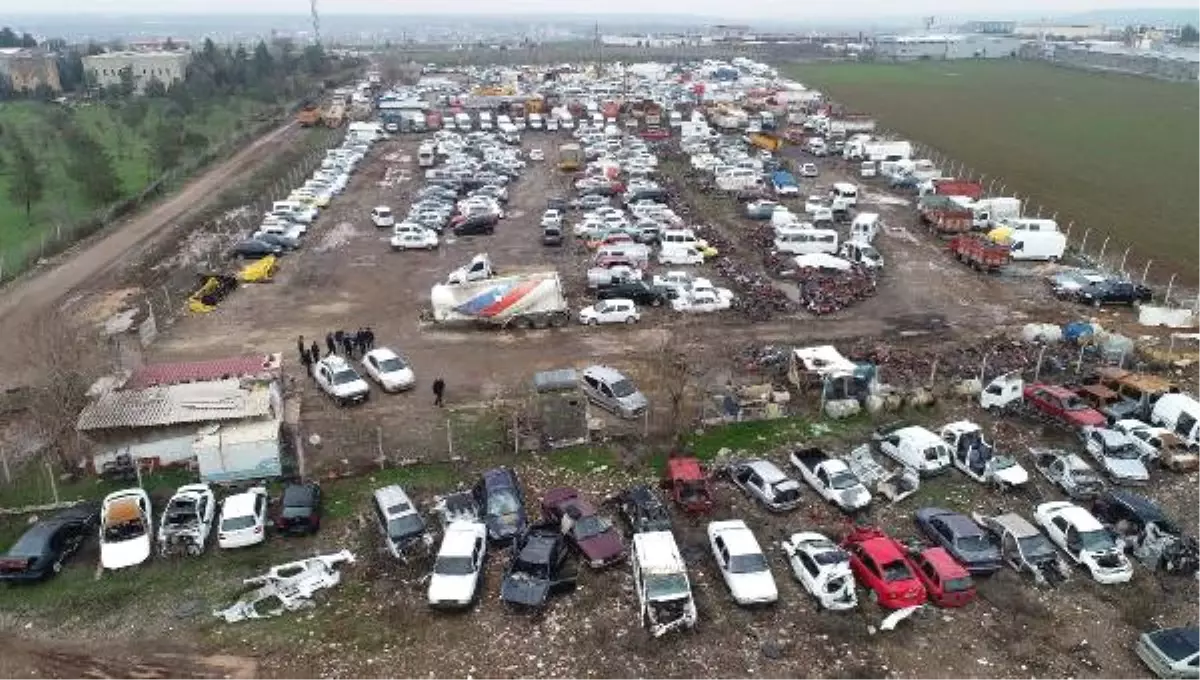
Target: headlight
596,564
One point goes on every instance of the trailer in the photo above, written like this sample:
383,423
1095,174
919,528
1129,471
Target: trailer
527,300
945,216
979,252
956,187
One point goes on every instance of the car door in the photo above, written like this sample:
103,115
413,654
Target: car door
808,570
1065,535
260,509
607,398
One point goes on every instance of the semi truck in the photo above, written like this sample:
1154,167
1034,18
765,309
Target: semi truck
525,300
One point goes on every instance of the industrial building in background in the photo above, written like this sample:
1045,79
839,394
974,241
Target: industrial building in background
28,68
167,67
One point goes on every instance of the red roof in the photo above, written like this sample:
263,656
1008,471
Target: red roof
153,375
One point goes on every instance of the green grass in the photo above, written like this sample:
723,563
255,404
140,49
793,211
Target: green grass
583,459
1111,152
31,486
345,497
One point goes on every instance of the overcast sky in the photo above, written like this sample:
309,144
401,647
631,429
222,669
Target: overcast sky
756,9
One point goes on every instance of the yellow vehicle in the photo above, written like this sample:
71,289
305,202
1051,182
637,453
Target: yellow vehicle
570,157
215,288
260,271
765,141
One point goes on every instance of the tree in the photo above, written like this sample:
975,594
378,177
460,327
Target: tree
8,38
127,83
91,167
27,184
28,40
166,146
70,71
1188,35
155,88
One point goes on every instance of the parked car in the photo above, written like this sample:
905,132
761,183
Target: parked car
823,569
661,581
1143,530
688,483
457,576
1085,541
46,545
882,567
476,225
742,562
1159,444
609,389
914,447
638,291
1061,404
613,310
393,372
335,377
425,239
498,493
643,510
537,155
187,520
809,170
1110,292
382,217
965,540
400,522
281,240
1117,455
299,509
593,536
1024,548
946,582
243,519
126,527
539,567
252,249
766,483
1171,652
1068,472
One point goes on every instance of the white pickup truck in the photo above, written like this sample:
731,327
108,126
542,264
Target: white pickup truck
831,478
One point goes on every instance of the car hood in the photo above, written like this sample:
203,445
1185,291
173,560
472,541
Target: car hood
446,588
1126,469
853,498
402,377
521,589
1014,475
353,387
602,547
123,554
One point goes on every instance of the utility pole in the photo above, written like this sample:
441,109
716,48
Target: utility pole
316,21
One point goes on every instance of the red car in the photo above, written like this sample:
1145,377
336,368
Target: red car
946,582
880,565
687,482
1063,405
594,536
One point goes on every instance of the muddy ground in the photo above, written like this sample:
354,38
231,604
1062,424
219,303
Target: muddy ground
375,623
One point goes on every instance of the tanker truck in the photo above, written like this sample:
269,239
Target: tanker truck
522,300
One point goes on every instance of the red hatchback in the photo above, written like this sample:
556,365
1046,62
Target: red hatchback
947,582
880,564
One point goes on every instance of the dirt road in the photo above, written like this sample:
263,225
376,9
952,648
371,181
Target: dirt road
94,257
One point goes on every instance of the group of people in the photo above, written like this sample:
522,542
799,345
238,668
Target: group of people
349,344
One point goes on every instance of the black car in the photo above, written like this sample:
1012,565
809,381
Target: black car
539,567
285,242
476,225
1146,531
253,249
1113,293
638,291
552,236
299,509
45,546
966,541
499,493
643,510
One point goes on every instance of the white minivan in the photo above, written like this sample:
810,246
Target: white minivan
680,254
846,192
806,241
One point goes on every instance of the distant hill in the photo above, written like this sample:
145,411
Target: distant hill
1169,16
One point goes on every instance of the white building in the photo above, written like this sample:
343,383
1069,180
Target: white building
168,67
946,46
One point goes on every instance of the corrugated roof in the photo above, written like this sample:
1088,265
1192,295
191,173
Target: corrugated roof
170,405
152,375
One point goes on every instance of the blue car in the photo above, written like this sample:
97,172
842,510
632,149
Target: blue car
965,540
499,494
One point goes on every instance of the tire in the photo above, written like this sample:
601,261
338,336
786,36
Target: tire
656,302
593,322
630,320
57,566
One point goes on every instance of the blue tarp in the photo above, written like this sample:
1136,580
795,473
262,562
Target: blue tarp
1073,332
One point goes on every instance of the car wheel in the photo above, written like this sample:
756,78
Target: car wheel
656,302
630,319
57,566
593,322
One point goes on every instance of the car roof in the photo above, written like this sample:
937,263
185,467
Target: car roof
297,494
943,562
1143,507
657,551
1016,525
1112,436
391,499
739,540
919,434
460,538
238,504
335,362
769,471
1082,519
604,373
959,523
382,353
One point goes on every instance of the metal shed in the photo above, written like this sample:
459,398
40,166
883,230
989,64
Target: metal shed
561,408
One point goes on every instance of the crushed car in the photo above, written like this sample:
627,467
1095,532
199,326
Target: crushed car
187,521
977,458
1085,541
881,565
823,569
1144,530
539,567
1068,472
661,581
643,510
1024,548
894,485
688,483
763,481
593,535
1117,455
286,587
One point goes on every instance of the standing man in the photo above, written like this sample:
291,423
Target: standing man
360,341
330,343
370,338
316,352
439,389
348,344
339,339
303,350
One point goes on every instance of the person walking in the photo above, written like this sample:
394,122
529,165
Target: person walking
439,391
360,341
330,344
315,356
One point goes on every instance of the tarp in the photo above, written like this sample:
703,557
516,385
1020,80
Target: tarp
1078,330
821,261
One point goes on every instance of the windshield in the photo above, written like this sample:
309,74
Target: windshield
896,571
503,502
1074,403
623,388
954,585
1036,548
588,527
1098,540
32,544
290,511
1003,462
748,564
973,544
1125,451
237,523
124,531
661,586
404,527
344,376
843,480
391,365
451,565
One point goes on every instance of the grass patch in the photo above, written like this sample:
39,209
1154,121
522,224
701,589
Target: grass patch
1111,152
31,486
583,459
344,497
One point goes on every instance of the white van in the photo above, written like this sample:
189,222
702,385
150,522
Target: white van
846,192
635,253
737,179
1036,239
864,227
535,121
462,121
426,156
673,238
485,120
806,241
1180,414
680,254
675,119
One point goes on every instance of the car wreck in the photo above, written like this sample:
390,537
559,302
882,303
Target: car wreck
538,568
661,580
766,483
823,569
688,483
895,485
187,521
1144,531
1024,548
1069,472
286,587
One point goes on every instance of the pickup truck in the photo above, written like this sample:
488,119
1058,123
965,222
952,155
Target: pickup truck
831,478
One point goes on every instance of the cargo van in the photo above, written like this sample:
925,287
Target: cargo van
680,255
679,237
846,192
1180,414
806,241
1034,239
635,254
864,227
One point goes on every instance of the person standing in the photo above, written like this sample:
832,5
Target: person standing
360,341
303,350
439,391
348,345
370,338
339,339
316,352
330,343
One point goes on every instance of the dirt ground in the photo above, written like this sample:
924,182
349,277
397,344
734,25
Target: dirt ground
376,623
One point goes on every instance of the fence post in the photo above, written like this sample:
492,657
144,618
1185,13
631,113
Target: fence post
1170,285
1037,372
1145,271
1123,256
1103,246
1083,243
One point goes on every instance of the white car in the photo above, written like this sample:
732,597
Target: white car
390,370
1148,439
243,519
125,529
1085,541
681,281
426,239
187,520
552,218
742,562
823,569
809,170
382,217
537,155
700,301
458,569
1117,454
616,310
339,380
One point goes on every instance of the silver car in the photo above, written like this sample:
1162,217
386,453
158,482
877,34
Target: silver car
609,389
